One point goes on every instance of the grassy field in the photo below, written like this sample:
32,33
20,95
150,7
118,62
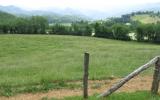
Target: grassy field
31,59
26,59
145,18
140,95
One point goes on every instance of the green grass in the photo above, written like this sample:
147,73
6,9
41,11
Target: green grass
44,86
26,60
145,18
141,95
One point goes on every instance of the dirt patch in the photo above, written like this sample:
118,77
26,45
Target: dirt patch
96,86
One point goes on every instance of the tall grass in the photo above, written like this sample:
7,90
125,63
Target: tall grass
28,59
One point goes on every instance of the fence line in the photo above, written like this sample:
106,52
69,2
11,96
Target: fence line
155,83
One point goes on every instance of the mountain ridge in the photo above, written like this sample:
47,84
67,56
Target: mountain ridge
81,13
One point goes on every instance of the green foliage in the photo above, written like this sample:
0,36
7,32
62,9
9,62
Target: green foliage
81,28
43,86
103,31
6,17
120,32
38,24
21,26
113,28
60,29
78,28
140,33
112,31
6,90
123,19
157,33
6,21
148,32
17,25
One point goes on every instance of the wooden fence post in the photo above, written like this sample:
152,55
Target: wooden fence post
156,78
129,77
85,77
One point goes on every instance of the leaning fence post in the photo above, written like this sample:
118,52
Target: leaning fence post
156,78
128,77
85,77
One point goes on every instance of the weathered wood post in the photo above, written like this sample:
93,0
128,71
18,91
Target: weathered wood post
156,78
85,77
129,77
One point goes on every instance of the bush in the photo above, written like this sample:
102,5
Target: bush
81,29
148,32
103,31
120,32
60,29
157,33
140,34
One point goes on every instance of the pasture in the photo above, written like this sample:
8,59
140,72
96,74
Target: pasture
31,59
145,18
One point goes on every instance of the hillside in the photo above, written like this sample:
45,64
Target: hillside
5,17
146,18
81,13
53,16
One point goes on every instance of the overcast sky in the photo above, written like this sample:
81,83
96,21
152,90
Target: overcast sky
77,4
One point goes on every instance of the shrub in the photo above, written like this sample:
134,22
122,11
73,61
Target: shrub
120,32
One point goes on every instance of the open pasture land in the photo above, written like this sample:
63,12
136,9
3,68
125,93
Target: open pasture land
26,59
146,19
31,59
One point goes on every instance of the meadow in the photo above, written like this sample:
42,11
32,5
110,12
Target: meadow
31,59
26,59
145,18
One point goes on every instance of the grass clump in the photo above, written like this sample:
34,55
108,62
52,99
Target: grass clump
44,86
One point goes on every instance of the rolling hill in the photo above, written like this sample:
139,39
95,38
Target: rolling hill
145,18
82,13
6,17
52,16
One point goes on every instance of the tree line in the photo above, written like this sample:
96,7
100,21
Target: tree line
114,28
33,25
82,28
148,32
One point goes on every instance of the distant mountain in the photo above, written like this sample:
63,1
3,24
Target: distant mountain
114,12
13,10
85,14
20,11
67,15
